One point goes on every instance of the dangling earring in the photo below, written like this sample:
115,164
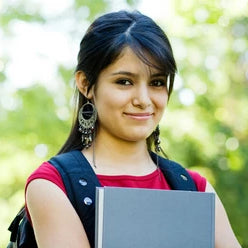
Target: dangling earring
87,116
157,142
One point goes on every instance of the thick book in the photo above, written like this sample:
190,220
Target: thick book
148,218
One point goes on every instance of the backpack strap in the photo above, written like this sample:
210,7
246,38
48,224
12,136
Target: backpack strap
22,233
14,225
80,182
177,176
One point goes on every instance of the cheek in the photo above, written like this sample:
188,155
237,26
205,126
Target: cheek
108,104
113,99
161,101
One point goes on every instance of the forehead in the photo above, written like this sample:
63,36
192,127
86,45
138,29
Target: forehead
128,60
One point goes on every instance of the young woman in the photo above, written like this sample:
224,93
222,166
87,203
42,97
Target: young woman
124,79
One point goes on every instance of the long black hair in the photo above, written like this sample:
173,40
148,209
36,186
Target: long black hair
104,41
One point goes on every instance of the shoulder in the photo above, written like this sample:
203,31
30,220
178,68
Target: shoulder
175,174
48,172
199,180
173,168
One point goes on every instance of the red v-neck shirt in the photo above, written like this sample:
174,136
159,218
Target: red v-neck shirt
154,180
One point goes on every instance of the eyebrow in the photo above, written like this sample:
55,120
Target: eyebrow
127,73
159,74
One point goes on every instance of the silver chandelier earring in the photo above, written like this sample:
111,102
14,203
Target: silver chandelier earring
157,142
87,118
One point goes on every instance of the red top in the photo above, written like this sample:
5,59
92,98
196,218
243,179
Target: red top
154,180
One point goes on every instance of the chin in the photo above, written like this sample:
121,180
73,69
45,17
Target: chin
138,136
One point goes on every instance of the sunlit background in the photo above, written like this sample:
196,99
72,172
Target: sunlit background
205,126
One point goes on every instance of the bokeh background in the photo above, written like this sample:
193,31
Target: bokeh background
205,126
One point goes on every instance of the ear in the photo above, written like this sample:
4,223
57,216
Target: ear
83,84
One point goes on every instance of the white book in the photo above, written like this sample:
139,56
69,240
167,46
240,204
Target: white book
148,218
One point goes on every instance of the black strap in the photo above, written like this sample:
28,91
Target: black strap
80,181
177,176
14,225
22,233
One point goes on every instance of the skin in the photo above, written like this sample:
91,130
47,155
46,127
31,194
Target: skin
224,235
137,95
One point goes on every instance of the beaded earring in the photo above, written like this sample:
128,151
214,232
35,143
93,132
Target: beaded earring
87,116
157,142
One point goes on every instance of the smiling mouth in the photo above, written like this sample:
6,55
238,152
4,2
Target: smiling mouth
139,116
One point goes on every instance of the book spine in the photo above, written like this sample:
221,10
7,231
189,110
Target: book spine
213,218
99,217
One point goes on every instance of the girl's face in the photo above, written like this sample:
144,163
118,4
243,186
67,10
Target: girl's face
130,98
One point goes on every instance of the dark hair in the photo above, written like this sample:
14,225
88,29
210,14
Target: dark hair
104,41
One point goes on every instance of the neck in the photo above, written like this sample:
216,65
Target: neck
116,156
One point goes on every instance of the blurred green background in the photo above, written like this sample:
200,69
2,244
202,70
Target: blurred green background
205,126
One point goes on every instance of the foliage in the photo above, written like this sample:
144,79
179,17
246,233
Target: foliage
205,126
209,133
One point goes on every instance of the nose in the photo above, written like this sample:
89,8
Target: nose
141,97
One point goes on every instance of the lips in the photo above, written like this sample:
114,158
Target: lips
139,116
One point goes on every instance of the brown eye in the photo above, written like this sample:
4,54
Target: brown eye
158,83
124,82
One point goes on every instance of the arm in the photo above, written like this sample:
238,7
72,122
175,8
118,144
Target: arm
224,235
55,222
